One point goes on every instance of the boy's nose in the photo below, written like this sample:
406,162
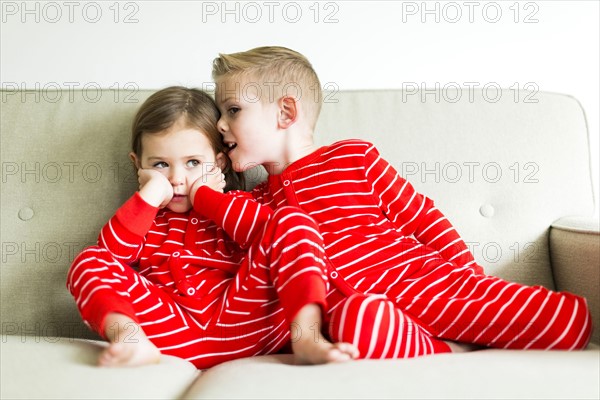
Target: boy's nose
221,125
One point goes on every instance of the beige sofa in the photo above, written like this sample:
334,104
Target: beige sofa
511,172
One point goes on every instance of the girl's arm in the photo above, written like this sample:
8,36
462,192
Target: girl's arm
412,212
123,235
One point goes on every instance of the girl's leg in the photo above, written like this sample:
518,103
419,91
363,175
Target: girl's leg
126,308
96,281
129,345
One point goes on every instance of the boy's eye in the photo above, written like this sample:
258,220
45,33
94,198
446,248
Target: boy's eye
193,163
160,164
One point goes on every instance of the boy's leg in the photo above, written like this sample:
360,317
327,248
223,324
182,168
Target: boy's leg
380,330
285,272
311,347
458,304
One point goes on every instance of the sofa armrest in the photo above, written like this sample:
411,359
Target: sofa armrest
575,259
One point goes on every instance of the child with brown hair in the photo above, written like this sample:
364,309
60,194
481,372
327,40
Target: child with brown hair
218,276
404,282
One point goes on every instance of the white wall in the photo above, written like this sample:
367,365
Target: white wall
549,45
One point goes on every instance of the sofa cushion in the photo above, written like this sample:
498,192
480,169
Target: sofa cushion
52,368
501,166
501,170
483,374
575,251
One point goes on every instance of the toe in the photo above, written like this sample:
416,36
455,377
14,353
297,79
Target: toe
335,355
349,349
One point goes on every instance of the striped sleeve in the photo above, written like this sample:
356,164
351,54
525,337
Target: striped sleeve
242,217
124,233
411,212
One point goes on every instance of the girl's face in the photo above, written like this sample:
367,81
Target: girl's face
183,155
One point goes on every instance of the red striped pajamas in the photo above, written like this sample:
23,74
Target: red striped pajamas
200,295
402,278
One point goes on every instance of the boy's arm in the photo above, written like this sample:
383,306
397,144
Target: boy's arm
236,212
412,212
124,233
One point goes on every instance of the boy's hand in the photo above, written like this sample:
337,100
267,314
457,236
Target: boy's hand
155,188
214,179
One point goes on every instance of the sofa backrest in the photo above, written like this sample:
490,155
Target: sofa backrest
502,166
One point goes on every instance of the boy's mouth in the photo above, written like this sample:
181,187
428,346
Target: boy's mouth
230,146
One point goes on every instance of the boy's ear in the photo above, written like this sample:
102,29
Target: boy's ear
134,159
288,111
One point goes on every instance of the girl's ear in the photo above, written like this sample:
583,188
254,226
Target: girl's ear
222,161
134,159
288,111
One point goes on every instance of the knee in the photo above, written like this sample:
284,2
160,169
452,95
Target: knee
370,322
572,328
90,252
582,327
88,258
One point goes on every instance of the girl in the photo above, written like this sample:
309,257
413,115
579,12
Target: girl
218,276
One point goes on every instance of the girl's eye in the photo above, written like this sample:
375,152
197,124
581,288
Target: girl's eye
233,110
193,163
160,164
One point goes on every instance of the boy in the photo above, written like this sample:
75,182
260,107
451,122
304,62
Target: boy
404,282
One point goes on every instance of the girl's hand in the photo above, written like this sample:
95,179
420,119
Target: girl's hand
214,179
155,188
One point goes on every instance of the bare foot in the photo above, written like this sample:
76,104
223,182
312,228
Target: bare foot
313,348
458,347
321,351
129,346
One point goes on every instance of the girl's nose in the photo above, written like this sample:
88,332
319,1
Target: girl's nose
177,177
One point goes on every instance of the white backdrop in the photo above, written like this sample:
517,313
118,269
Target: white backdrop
533,45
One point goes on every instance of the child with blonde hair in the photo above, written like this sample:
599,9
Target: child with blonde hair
404,282
187,270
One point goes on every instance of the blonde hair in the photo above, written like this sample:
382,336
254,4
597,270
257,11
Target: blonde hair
164,108
275,66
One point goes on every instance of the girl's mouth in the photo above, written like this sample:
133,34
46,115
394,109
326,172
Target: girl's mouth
177,198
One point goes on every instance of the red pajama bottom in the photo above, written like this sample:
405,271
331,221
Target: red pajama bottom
283,271
447,302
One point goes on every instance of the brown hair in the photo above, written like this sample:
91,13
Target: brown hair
162,109
274,64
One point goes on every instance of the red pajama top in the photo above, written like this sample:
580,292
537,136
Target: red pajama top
370,217
187,254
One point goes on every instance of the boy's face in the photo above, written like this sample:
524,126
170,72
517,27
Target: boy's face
248,123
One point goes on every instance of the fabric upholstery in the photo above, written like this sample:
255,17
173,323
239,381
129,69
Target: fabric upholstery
488,374
63,368
502,169
575,253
